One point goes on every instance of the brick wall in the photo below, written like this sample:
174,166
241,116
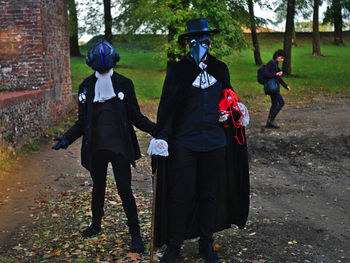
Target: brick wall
34,56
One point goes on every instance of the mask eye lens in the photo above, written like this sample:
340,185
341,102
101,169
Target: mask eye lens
192,43
205,43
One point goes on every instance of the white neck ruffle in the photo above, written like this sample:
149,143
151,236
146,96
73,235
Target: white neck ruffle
104,86
204,79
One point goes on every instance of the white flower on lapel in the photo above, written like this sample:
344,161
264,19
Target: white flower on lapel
121,95
82,97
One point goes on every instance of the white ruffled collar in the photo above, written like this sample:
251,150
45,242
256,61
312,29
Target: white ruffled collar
104,87
204,80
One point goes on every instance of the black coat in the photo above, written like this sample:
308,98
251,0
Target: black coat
128,114
233,188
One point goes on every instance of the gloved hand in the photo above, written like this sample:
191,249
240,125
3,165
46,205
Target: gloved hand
158,147
61,143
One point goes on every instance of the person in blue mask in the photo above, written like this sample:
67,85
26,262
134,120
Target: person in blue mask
194,178
108,109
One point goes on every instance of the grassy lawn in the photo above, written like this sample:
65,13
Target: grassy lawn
327,75
311,76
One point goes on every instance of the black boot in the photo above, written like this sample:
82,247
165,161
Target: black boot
207,252
171,254
92,230
137,244
271,123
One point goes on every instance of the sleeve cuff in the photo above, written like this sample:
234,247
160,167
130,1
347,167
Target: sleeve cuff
158,147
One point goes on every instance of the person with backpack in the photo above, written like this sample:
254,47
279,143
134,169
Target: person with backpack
108,110
272,75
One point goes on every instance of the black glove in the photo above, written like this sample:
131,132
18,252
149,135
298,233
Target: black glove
61,143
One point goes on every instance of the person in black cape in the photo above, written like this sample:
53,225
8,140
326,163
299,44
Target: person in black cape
203,184
108,109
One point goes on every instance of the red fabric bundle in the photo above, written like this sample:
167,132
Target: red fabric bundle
228,102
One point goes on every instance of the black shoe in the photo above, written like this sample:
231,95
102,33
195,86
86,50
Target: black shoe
170,255
91,230
208,254
137,244
271,123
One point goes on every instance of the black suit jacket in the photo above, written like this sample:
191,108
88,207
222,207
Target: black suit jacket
129,114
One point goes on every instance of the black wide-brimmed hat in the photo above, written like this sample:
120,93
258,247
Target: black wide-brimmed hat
196,27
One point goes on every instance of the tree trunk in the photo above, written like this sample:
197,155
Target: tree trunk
338,23
108,20
287,44
316,46
294,37
257,56
73,29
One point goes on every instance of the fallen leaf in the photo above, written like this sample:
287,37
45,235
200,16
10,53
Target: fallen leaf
133,256
17,248
216,247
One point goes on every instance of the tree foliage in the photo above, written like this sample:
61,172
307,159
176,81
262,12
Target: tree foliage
345,10
169,17
302,7
337,11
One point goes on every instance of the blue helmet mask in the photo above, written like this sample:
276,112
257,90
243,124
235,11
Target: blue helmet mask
102,56
199,47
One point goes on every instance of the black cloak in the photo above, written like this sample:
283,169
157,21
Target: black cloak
233,187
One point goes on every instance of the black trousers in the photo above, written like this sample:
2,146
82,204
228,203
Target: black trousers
277,102
122,175
192,177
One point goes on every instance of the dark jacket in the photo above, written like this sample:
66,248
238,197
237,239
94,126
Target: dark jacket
128,114
270,71
233,188
176,89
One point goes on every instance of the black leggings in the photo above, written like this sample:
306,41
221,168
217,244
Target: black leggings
122,175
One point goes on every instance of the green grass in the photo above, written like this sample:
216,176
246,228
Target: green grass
311,76
327,75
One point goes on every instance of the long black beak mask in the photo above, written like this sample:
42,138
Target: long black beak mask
199,47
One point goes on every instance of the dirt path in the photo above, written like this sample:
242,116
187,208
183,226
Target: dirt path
300,187
300,179
40,176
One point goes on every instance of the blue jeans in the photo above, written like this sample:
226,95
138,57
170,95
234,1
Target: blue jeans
277,104
271,86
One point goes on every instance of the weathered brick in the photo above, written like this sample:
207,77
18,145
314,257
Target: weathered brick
34,55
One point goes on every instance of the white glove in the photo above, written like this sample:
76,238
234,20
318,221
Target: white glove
158,147
223,116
